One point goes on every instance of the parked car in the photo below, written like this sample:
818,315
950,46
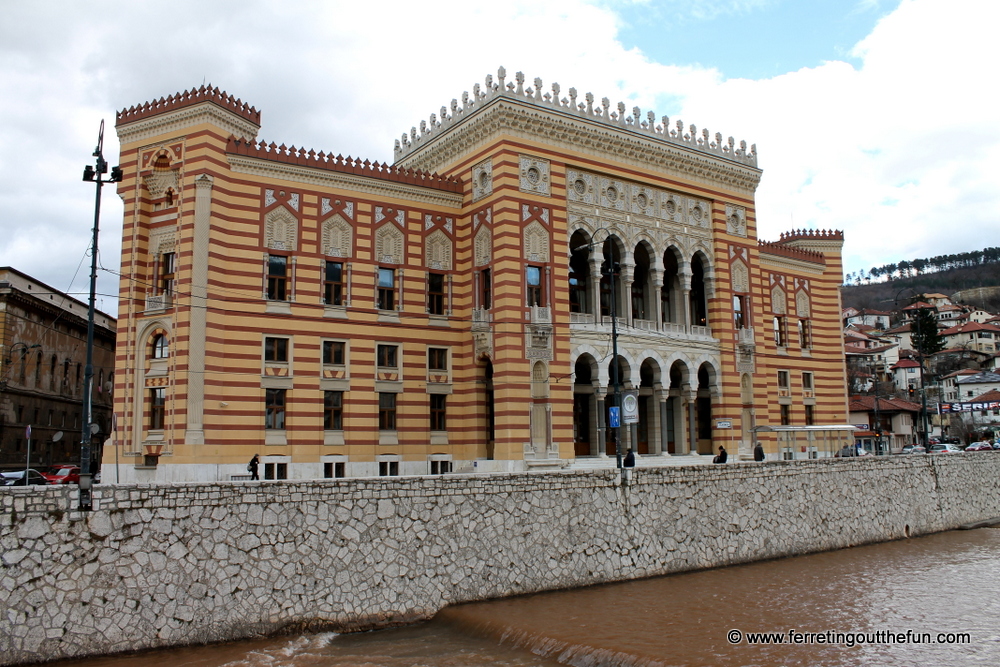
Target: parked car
918,449
16,478
908,449
63,474
943,448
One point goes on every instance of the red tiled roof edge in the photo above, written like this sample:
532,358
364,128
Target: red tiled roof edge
348,165
189,98
776,248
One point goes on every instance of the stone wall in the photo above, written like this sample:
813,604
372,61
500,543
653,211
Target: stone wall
168,565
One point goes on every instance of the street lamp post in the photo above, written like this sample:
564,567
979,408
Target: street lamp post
92,174
608,267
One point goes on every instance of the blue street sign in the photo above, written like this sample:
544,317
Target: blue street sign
614,416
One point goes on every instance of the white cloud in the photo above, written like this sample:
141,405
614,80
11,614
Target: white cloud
900,152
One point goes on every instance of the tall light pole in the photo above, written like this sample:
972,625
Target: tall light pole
92,174
609,266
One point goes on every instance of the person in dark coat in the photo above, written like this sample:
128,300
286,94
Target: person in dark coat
254,463
758,452
629,459
723,455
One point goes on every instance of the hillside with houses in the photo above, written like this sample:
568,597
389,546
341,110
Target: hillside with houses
924,370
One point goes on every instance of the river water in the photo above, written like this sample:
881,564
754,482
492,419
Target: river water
945,584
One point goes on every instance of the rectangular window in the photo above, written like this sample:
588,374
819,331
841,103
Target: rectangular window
275,471
388,468
780,335
276,350
437,359
782,379
786,415
739,311
387,412
807,381
333,285
334,352
386,356
805,335
440,467
486,289
277,277
167,272
334,470
274,409
435,293
438,422
386,289
157,403
533,279
333,410
809,415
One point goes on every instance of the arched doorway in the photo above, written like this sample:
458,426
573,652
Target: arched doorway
699,305
646,431
676,442
579,273
490,431
703,409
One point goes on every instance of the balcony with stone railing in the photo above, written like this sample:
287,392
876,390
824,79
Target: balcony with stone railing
745,336
159,301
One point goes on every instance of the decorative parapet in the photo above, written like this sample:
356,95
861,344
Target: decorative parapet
777,248
648,127
186,99
348,165
811,235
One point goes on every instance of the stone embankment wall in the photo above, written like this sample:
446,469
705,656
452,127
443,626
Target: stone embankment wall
168,565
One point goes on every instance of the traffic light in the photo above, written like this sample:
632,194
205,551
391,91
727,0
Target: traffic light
910,390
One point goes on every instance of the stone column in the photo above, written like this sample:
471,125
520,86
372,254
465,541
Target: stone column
624,305
595,282
195,434
656,278
692,426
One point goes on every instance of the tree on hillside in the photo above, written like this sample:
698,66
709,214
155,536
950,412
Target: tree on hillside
924,333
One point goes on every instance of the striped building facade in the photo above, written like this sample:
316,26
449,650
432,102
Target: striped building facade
453,312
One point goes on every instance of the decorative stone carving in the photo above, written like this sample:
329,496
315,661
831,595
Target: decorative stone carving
614,194
326,207
698,213
269,198
163,240
281,230
580,186
160,181
778,300
338,236
396,215
438,251
536,243
534,175
539,380
482,180
740,277
486,215
802,307
538,342
645,200
484,246
389,245
736,220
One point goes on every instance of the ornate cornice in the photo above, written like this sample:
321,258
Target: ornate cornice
149,126
332,179
513,117
778,260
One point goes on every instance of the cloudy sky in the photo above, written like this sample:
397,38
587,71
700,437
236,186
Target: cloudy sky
877,117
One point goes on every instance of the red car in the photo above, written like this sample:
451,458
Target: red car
979,447
63,474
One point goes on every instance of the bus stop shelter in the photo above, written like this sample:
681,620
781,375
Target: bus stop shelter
810,442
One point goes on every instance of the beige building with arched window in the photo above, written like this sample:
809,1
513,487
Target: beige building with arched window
453,311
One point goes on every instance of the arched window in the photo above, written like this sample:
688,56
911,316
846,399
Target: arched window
160,348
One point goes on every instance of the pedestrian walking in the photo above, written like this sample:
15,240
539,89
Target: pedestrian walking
252,467
758,452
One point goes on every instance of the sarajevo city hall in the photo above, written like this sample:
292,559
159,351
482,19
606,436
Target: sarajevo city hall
459,310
